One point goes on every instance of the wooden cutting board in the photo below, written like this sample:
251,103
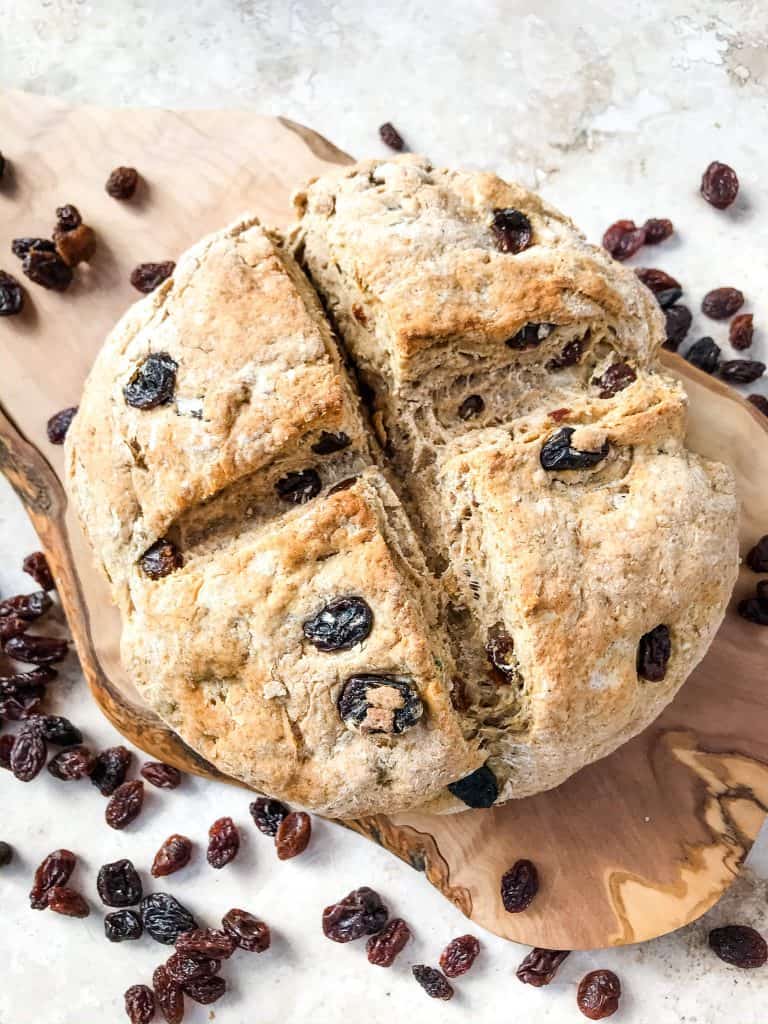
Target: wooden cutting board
631,847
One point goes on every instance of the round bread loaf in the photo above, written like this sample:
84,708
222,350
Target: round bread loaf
397,509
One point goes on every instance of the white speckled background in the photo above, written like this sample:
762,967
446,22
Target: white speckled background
612,109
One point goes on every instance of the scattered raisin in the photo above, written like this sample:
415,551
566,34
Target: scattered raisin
329,443
391,137
557,454
267,814
27,606
6,854
293,835
379,704
246,931
472,406
68,217
501,654
68,902
59,730
530,335
719,185
12,625
54,870
6,747
569,356
739,945
118,884
122,182
361,912
210,942
741,371
168,995
223,842
140,1004
36,566
161,775
617,377
123,926
754,610
478,789
71,764
741,330
161,559
459,955
147,276
384,947
598,994
298,487
340,625
760,402
722,303
657,280
669,297
757,556
21,246
77,246
36,650
205,990
165,918
512,230
47,269
11,295
342,485
623,238
152,383
125,804
432,981
519,886
173,855
28,753
704,354
57,426
653,653
111,769
184,967
678,322
540,966
657,230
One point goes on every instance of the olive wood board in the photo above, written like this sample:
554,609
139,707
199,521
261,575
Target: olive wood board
631,847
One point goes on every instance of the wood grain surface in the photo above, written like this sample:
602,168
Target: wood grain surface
629,848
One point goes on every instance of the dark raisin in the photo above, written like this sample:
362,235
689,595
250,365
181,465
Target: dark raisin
379,704
511,230
298,487
757,556
210,942
760,402
223,842
741,371
617,377
500,649
340,625
125,804
6,854
165,918
519,886
623,238
28,753
118,884
47,269
678,322
657,280
459,955
569,356
267,814
472,406
28,682
657,230
12,625
361,912
384,947
432,981
540,966
739,945
123,926
76,246
598,994
16,709
653,653
57,426
246,931
152,383
161,775
722,303
26,606
161,559
460,695
111,769
6,747
122,182
36,566
704,354
68,902
173,855
478,789
59,730
184,967
140,1004
669,297
329,443
557,454
719,185
36,650
54,870
205,990
754,610
530,336
741,330
168,995
68,217
342,485
11,295
391,137
21,246
147,276
762,592
72,764
293,835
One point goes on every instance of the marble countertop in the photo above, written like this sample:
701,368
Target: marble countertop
612,108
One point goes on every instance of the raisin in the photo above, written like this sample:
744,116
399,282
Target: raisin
384,947
653,653
598,994
501,654
530,336
77,246
6,747
459,955
210,942
478,789
340,625
160,559
68,902
205,990
460,696
168,995
379,704
623,238
21,246
47,269
472,406
140,1004
678,322
152,383
669,297
657,230
11,295
111,769
391,137
741,371
165,918
122,182
298,487
12,625
617,377
512,230
184,967
540,966
757,556
569,356
125,804
223,842
16,709
719,185
754,610
722,303
23,682
361,912
762,592
161,775
71,764
173,855
760,402
657,280
147,276
741,331
342,485
432,981
59,730
28,753
293,835
704,354
68,217
118,884
57,426
36,566
739,945
54,870
6,854
519,886
27,606
123,926
557,454
246,931
267,814
329,443
36,650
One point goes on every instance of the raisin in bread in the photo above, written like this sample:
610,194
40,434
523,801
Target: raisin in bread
497,567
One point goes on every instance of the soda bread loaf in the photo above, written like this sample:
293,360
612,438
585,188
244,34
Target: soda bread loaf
415,526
